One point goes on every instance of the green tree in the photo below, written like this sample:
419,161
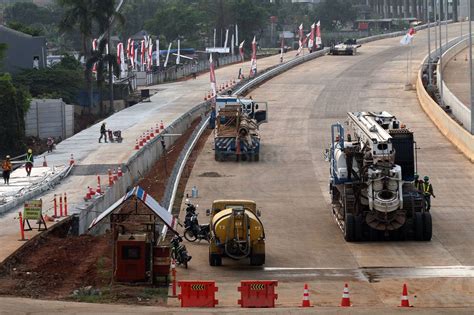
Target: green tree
14,103
3,49
31,30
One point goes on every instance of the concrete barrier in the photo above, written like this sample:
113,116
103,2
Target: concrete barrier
459,110
459,136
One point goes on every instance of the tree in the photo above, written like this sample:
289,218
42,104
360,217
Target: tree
14,103
31,30
3,49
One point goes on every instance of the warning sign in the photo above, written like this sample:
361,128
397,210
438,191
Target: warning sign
33,210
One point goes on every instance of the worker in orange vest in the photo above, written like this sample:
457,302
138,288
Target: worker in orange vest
7,169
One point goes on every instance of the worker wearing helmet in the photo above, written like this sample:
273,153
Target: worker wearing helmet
103,133
417,183
29,162
427,192
7,169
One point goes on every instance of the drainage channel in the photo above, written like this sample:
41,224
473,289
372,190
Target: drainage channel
369,274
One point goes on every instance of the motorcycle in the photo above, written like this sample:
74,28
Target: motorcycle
195,231
190,211
179,252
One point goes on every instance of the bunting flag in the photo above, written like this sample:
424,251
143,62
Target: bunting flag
311,39
94,48
318,35
300,42
142,56
282,47
121,60
406,40
157,52
253,61
150,55
167,55
236,34
132,54
241,50
226,37
178,57
212,76
129,42
232,45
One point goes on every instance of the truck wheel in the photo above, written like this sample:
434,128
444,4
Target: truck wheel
418,226
349,227
215,260
217,156
256,157
427,226
257,260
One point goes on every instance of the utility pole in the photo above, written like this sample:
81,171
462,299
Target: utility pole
440,74
428,18
470,70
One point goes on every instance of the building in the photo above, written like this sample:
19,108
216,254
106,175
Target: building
23,51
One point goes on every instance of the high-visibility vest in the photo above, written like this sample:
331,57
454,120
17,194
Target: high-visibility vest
29,157
426,188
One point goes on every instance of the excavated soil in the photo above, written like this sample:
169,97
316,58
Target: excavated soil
60,264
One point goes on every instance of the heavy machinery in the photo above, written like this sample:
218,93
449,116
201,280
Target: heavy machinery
236,232
371,180
348,47
236,130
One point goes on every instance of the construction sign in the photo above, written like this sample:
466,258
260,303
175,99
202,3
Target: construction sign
33,210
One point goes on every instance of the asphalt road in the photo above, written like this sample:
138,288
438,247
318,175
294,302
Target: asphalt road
290,183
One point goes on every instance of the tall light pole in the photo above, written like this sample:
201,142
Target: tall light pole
440,74
470,69
428,18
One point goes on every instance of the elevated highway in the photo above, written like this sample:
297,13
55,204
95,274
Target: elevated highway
290,183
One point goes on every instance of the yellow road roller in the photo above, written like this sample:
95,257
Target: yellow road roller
236,232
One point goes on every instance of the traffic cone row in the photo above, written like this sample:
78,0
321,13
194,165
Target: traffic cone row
148,135
346,300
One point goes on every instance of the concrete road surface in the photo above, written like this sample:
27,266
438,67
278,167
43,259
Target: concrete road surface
290,186
456,75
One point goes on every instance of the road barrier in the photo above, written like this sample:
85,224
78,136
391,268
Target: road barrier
257,293
198,293
458,136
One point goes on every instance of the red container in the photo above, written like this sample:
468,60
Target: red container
197,293
131,258
257,293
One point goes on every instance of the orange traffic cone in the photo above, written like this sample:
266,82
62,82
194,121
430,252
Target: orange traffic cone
157,129
137,146
346,300
162,126
45,164
306,302
208,95
71,160
205,97
405,302
152,134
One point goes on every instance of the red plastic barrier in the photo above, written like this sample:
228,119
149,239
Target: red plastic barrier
256,293
197,293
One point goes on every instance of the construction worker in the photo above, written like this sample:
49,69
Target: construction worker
427,192
417,183
29,162
7,169
103,133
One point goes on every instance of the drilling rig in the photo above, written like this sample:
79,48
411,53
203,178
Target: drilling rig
371,183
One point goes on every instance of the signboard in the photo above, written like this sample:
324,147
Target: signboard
33,210
220,50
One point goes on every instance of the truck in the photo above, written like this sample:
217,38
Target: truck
236,232
348,47
371,183
236,128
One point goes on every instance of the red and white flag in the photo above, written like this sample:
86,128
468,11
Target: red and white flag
241,50
119,53
406,40
150,54
253,61
318,34
157,52
282,47
300,42
212,76
132,54
311,38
